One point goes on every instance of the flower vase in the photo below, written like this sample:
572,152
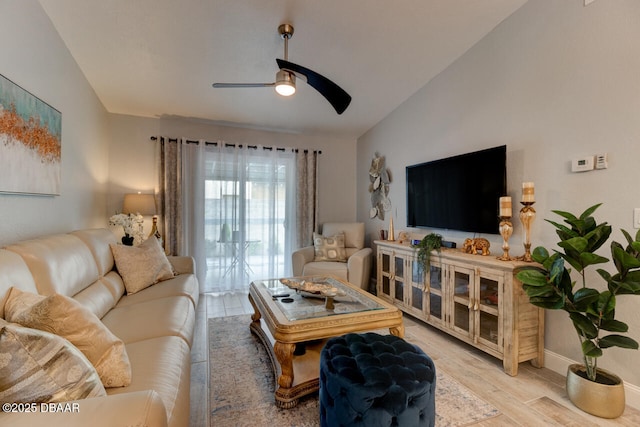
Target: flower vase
127,240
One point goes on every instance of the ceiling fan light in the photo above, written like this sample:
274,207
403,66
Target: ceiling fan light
285,83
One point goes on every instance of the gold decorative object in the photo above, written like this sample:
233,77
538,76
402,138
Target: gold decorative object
472,246
403,238
506,230
505,227
527,215
319,287
154,228
391,235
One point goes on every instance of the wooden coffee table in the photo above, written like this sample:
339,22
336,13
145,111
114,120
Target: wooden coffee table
295,332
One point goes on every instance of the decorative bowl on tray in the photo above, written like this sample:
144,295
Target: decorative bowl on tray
318,288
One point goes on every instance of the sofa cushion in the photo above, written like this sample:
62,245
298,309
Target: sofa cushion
181,285
37,367
141,266
162,364
60,264
66,317
98,240
159,317
102,295
329,248
13,272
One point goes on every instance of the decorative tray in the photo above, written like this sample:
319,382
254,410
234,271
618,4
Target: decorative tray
319,288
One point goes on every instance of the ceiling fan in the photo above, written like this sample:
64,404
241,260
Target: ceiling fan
285,83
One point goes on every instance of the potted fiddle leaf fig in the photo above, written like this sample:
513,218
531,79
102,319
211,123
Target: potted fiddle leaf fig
591,309
430,242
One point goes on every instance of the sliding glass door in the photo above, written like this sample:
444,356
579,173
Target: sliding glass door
249,215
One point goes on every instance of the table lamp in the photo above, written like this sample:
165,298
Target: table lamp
143,204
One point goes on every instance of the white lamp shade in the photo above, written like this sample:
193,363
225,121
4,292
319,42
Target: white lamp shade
143,204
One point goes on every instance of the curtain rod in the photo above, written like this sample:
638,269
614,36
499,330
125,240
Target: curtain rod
226,144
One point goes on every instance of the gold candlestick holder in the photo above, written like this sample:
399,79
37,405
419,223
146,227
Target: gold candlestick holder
527,215
506,229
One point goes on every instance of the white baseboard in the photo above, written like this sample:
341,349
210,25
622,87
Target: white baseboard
560,364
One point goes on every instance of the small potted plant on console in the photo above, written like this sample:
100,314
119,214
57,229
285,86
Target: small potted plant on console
430,242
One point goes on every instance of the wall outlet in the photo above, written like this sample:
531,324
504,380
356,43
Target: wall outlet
636,218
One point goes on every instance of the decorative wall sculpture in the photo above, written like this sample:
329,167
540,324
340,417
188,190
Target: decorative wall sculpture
379,187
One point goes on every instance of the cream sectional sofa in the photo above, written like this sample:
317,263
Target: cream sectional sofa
156,325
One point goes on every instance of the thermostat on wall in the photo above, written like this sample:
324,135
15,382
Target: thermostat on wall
582,164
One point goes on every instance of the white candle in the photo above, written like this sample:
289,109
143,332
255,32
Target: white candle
505,207
528,194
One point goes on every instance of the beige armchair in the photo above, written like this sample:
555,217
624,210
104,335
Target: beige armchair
356,270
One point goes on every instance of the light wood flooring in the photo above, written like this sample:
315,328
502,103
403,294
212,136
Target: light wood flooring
535,397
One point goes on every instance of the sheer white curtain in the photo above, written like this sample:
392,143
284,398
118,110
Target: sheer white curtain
248,214
233,208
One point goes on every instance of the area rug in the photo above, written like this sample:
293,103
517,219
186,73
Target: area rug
241,386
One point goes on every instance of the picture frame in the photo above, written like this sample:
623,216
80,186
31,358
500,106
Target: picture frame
30,142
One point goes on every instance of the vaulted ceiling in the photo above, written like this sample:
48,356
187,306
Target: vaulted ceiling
158,58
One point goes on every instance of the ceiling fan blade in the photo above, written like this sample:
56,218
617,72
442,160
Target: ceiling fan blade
232,85
336,96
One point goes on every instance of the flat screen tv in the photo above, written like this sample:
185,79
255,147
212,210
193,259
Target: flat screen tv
458,193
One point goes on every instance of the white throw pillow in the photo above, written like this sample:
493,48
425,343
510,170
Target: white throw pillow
39,367
66,317
143,265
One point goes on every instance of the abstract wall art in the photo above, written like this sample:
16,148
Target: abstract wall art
30,142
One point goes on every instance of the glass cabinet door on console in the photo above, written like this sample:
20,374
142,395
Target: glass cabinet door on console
461,319
398,279
391,272
476,306
426,292
417,300
436,295
489,306
384,274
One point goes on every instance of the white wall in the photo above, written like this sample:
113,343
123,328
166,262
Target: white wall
132,165
554,81
34,57
105,156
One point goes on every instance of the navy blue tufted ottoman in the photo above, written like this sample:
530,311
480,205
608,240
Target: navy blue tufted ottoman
376,380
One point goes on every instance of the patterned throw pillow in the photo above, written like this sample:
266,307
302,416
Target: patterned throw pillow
143,265
66,317
329,248
39,367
